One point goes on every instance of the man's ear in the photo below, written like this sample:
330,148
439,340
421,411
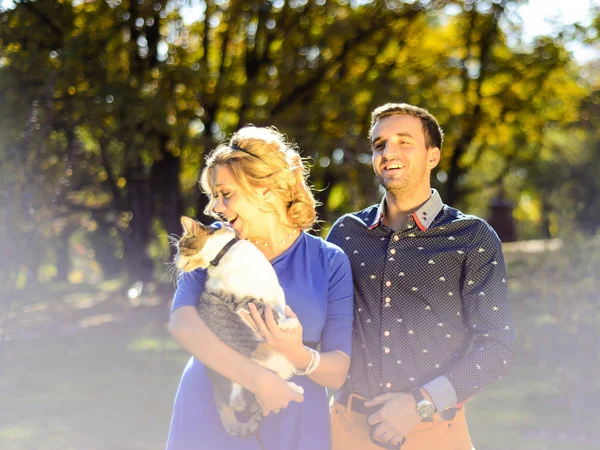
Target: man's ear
433,157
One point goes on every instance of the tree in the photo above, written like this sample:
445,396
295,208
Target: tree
111,106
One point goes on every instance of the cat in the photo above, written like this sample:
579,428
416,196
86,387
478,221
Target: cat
237,275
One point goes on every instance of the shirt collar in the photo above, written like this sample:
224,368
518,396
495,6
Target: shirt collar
423,216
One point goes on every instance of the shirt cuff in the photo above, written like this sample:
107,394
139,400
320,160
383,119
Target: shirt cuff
442,392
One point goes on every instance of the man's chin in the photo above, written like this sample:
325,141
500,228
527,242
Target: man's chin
393,185
397,189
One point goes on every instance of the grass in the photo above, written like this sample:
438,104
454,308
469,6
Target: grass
509,416
85,368
95,390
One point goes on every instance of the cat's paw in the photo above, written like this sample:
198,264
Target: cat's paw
288,323
295,387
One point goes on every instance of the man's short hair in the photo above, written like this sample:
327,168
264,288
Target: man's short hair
434,136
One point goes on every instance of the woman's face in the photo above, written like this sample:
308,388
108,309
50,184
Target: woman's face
235,205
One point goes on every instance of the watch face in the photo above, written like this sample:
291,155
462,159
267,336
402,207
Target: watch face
425,409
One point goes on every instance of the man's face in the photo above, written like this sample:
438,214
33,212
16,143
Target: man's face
401,160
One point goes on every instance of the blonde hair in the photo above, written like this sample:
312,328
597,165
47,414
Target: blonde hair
262,158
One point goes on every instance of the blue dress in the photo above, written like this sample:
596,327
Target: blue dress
317,281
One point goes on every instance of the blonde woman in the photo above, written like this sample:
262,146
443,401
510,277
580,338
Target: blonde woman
257,185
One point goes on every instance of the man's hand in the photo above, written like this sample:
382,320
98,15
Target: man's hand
395,419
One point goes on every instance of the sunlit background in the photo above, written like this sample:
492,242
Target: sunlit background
107,108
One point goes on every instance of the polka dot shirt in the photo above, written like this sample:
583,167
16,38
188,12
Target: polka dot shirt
431,301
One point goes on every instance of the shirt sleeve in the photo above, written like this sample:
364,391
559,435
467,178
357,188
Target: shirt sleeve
337,332
442,392
190,286
486,313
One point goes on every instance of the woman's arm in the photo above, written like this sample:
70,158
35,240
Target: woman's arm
193,334
336,337
332,370
333,366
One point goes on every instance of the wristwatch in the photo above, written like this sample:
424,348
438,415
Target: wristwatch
425,408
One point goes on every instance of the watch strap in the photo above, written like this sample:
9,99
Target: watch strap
416,393
420,399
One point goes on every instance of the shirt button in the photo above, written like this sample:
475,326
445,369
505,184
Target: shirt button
388,385
387,299
388,283
387,333
386,349
393,251
396,238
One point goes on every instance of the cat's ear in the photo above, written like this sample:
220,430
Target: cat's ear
190,226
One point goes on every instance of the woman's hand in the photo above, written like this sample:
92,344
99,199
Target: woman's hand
274,394
286,341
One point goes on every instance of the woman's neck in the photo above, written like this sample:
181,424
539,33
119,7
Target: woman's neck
275,238
273,252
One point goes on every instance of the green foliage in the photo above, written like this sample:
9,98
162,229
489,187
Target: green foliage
110,106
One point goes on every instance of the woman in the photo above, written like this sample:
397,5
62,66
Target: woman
257,184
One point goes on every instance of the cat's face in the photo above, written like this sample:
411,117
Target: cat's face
189,249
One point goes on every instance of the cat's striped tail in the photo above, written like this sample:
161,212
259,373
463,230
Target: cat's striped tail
240,429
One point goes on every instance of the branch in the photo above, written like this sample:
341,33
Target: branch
473,122
44,19
211,109
99,215
506,109
308,87
496,180
72,208
255,59
384,75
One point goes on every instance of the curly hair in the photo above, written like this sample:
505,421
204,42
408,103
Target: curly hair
262,158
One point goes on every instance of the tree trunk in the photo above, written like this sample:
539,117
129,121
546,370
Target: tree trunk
202,198
63,260
451,188
105,248
139,201
167,193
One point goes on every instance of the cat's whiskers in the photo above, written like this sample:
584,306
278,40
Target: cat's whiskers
172,272
173,240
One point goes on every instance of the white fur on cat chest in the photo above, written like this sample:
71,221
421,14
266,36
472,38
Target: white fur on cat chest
247,276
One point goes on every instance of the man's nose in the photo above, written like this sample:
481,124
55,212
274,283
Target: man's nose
387,149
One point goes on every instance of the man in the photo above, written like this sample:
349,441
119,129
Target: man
432,320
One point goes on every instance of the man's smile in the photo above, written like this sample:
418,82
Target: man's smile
391,166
